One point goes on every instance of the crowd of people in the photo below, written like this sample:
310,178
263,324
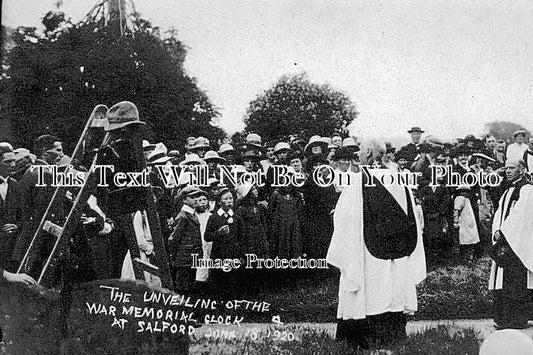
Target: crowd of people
228,222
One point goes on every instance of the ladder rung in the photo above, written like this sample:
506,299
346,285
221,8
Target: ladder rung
145,266
52,228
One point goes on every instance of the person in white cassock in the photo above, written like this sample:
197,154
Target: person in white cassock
377,245
512,269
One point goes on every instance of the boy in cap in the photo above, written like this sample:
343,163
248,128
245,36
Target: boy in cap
185,239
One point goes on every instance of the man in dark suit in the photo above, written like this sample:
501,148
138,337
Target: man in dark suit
10,212
9,218
410,150
35,199
186,239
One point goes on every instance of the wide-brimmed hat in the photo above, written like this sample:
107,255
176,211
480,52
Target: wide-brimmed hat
281,146
158,155
314,141
518,132
227,148
192,159
483,156
415,129
254,139
120,115
200,143
211,155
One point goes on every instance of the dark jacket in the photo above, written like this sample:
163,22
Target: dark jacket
225,246
185,239
10,213
35,200
410,151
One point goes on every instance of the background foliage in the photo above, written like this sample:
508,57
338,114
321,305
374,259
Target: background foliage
294,105
51,82
504,129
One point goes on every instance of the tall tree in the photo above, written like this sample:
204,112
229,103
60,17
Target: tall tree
51,82
504,129
295,105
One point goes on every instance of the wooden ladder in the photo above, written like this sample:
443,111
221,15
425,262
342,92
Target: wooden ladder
85,151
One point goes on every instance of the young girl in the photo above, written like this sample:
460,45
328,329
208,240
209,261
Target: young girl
223,229
465,223
286,217
253,238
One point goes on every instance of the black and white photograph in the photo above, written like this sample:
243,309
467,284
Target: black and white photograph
266,177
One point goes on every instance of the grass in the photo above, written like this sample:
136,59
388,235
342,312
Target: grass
450,292
433,341
29,318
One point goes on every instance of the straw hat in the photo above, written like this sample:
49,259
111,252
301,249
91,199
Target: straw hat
123,114
254,139
314,141
227,148
213,156
281,146
158,155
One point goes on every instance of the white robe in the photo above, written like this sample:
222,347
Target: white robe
202,273
144,240
517,229
368,285
515,151
468,232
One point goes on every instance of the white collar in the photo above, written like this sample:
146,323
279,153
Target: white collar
187,209
4,179
220,212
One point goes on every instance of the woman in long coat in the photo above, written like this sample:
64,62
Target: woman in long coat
319,206
286,217
254,239
253,236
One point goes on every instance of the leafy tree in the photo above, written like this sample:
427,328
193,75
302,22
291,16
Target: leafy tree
295,105
51,81
504,129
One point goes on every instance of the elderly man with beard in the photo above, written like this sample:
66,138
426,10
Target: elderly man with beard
512,270
377,245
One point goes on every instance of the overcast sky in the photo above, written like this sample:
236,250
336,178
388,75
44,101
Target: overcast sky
448,66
